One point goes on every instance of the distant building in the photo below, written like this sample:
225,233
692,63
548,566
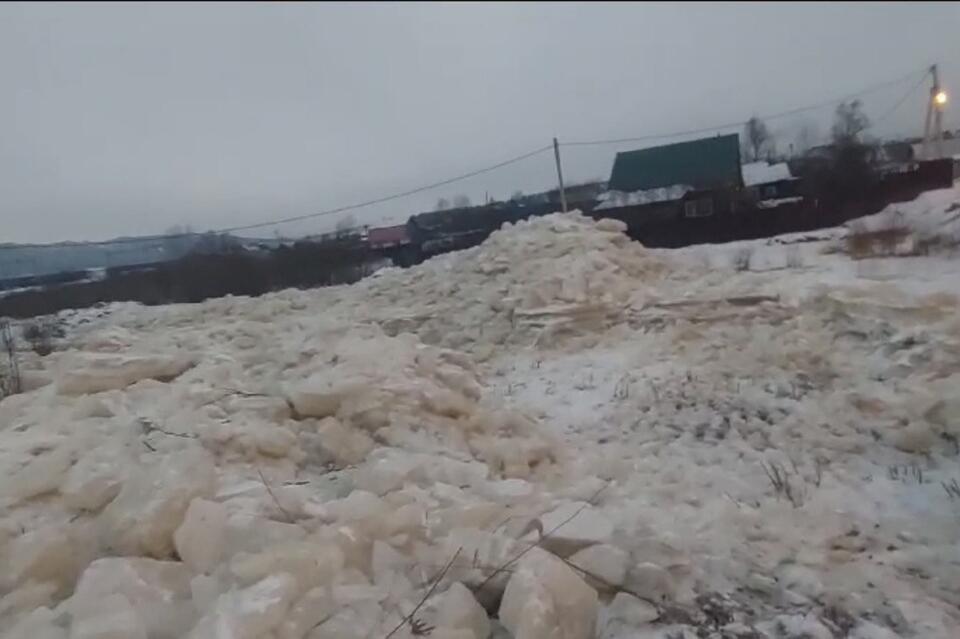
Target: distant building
898,152
703,174
771,185
388,237
455,229
820,152
579,196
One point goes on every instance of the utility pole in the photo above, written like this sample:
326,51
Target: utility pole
13,384
563,195
935,106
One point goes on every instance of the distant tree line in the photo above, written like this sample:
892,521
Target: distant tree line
199,275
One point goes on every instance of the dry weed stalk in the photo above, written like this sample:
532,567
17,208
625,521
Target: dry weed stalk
417,626
266,484
783,483
952,488
543,537
742,259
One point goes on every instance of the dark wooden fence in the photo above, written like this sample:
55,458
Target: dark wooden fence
660,225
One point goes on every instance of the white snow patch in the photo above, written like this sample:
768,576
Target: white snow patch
613,198
755,173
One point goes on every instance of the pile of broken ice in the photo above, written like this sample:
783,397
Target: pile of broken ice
247,469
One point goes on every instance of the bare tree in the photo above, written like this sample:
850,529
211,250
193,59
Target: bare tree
461,201
346,223
443,204
517,195
853,155
849,122
757,138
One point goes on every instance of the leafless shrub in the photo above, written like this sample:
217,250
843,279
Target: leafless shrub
889,239
936,242
742,259
905,473
39,335
952,488
862,243
839,621
794,259
784,484
859,244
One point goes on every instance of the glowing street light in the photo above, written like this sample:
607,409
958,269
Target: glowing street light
940,98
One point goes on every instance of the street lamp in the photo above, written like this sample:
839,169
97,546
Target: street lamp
940,98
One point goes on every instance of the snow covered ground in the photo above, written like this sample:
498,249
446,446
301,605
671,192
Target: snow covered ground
558,434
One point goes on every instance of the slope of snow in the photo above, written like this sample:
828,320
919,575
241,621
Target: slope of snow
933,215
767,452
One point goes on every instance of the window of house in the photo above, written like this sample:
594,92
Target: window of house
698,208
769,191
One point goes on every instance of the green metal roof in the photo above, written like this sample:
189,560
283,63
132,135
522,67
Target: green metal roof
703,164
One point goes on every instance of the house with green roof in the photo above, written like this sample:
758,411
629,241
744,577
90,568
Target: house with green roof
697,178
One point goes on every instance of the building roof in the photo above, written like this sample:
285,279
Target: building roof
387,236
467,219
756,173
707,163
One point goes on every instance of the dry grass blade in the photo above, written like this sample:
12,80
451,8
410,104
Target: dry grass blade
503,567
266,484
953,489
243,393
149,427
426,595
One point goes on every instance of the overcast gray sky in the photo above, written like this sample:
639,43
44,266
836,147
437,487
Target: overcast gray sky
126,119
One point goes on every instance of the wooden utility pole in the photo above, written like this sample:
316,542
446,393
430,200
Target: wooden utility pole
12,385
563,195
935,105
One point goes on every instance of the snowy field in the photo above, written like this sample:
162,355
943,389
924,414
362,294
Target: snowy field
558,434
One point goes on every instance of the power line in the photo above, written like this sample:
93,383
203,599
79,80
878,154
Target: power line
464,176
782,114
295,218
387,198
900,102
